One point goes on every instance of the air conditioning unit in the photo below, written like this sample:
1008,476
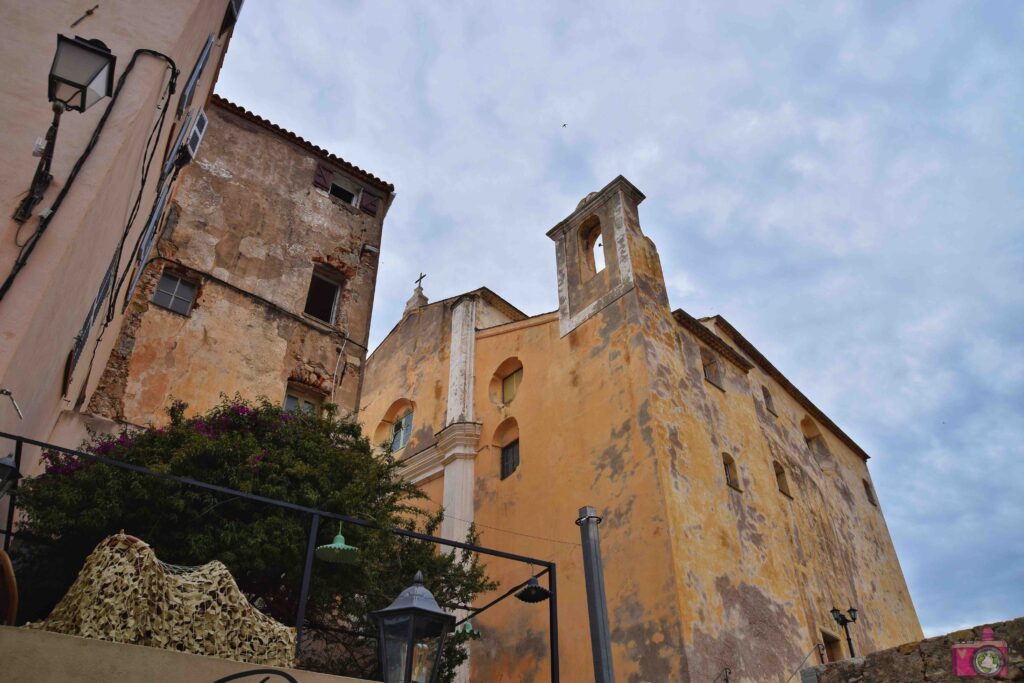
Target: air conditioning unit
195,137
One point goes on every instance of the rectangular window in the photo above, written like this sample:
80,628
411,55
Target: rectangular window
712,368
344,194
510,385
294,403
509,459
833,649
769,404
175,293
322,298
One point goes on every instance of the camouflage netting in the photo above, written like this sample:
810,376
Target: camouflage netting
126,595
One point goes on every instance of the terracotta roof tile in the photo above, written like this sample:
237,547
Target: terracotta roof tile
302,142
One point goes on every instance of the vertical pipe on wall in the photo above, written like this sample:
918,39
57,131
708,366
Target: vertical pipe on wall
597,603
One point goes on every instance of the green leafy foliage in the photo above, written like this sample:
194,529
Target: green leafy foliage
317,462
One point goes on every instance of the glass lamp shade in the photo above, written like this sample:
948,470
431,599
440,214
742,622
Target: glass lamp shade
853,613
82,72
836,614
412,631
9,474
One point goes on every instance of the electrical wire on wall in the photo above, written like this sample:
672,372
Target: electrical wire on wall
147,162
30,243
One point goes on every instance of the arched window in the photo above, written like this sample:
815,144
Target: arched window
780,479
505,382
401,430
812,435
732,477
506,439
769,404
395,428
591,248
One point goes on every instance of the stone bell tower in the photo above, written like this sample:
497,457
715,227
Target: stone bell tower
594,252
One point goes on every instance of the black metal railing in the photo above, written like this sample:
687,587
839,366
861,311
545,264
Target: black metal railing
548,568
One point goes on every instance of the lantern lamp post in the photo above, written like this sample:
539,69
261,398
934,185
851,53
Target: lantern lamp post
411,635
845,620
82,73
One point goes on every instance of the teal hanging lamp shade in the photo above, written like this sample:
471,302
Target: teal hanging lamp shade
337,551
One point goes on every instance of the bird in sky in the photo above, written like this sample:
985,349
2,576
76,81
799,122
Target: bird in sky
565,125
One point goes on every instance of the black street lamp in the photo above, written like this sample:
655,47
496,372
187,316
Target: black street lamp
845,621
82,73
411,635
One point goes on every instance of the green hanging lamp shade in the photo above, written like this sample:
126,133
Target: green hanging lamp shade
338,551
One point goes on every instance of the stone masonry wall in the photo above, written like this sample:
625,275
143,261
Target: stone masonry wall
923,661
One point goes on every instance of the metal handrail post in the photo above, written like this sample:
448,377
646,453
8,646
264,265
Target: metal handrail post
9,527
553,618
307,571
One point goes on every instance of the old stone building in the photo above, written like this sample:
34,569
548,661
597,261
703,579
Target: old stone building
736,513
261,282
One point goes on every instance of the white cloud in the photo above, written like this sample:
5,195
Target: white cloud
843,181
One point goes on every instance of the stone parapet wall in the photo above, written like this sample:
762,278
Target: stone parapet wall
924,661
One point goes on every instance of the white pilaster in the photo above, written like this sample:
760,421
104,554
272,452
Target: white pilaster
461,361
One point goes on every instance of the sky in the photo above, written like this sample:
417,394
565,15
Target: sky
843,181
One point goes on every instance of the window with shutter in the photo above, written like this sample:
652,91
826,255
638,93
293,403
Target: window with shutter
323,177
369,204
509,459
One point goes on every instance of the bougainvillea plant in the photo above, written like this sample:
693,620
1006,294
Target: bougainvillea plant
320,462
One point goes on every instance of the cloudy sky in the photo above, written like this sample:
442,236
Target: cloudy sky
843,181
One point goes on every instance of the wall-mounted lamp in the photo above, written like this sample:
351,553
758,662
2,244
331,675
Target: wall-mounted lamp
82,73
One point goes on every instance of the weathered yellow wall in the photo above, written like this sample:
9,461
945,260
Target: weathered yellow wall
247,223
617,414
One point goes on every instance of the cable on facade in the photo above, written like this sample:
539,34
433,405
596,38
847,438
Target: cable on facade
44,221
147,162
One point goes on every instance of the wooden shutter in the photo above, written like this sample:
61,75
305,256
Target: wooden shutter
369,204
323,177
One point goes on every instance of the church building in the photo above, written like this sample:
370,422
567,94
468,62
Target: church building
736,513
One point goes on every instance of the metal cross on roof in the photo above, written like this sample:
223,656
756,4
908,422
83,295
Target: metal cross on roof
419,280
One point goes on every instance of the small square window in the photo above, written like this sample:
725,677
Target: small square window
509,459
175,293
510,385
769,404
322,298
342,193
